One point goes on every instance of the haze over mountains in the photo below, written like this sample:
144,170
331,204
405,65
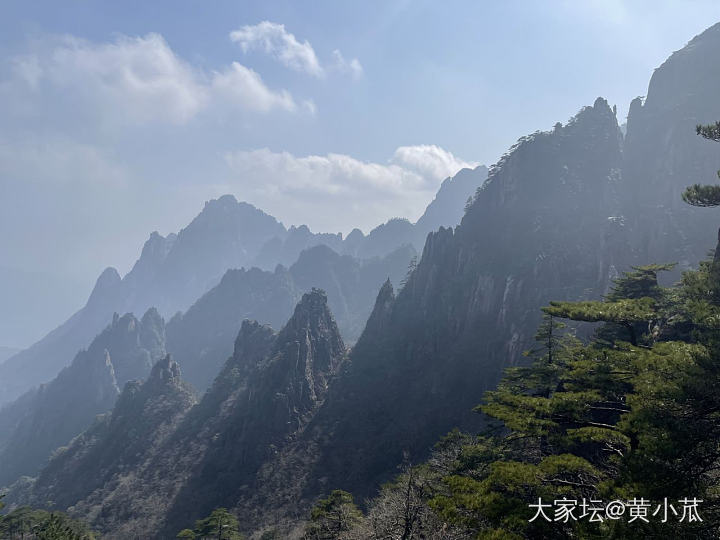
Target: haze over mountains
227,235
174,271
290,412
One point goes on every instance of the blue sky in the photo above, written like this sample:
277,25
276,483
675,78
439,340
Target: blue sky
120,118
468,76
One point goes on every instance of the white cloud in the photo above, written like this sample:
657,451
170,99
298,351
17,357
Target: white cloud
243,86
273,39
335,191
353,67
141,77
134,80
430,160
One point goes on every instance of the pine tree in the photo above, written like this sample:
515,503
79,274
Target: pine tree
548,337
333,517
26,522
57,528
412,265
219,525
705,195
606,420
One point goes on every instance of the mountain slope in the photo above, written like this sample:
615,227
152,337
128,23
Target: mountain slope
270,403
43,360
541,228
173,272
555,220
157,463
170,274
448,206
109,457
202,338
663,155
51,415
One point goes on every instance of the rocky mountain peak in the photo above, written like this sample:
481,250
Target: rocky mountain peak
382,309
165,371
253,343
312,319
157,246
106,287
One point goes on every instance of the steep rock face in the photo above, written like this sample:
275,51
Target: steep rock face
663,155
448,206
202,338
350,283
278,384
542,227
100,464
48,417
155,464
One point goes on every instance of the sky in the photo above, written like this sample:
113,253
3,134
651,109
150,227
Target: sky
121,118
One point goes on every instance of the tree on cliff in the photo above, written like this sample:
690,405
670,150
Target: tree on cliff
632,415
699,194
610,420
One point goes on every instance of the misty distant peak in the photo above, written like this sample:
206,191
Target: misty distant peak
301,229
226,199
108,276
448,206
106,286
317,253
157,246
152,316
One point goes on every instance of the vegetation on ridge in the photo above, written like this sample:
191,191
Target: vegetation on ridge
632,416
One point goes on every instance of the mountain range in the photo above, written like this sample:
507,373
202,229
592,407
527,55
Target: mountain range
173,271
201,339
294,414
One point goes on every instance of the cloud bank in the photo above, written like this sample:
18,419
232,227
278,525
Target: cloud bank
136,80
336,192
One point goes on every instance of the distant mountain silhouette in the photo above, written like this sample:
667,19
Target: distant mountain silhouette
174,271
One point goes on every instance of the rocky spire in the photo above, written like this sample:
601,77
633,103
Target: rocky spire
165,371
312,317
383,307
